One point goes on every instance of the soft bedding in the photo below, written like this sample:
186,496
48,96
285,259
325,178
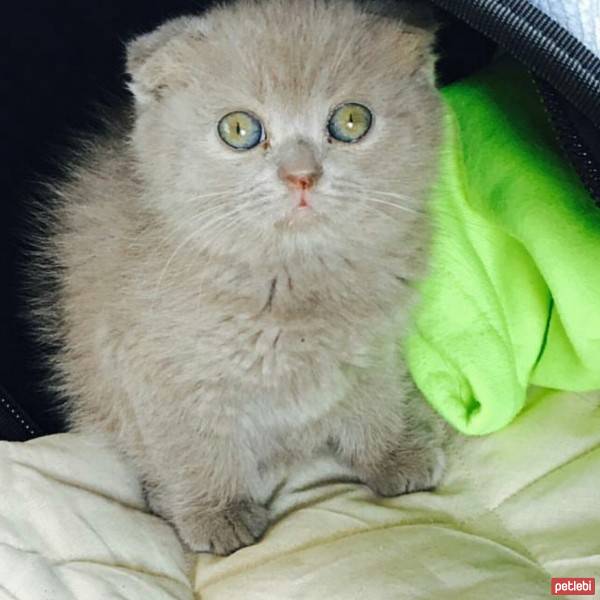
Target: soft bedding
516,508
73,525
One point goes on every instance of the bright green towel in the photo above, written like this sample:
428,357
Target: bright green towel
513,294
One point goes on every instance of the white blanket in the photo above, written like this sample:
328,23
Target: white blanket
515,509
73,525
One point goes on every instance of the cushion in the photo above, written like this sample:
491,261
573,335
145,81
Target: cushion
516,508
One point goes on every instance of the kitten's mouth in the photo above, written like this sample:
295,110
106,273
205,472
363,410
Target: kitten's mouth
303,208
301,198
301,214
304,203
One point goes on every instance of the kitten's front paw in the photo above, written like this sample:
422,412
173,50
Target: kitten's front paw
225,531
407,470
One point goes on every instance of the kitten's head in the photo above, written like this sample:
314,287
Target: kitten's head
287,124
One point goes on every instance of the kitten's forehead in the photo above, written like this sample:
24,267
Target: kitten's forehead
296,51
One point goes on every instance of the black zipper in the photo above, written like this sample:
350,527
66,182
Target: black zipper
15,423
568,73
584,161
544,46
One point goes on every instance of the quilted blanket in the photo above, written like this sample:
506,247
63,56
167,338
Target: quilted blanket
516,508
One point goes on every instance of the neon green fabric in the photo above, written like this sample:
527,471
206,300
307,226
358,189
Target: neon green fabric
513,294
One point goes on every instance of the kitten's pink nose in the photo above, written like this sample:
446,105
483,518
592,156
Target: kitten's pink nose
298,166
302,182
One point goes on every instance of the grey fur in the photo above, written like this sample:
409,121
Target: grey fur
207,328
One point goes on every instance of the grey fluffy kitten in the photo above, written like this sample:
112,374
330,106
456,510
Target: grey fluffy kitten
235,268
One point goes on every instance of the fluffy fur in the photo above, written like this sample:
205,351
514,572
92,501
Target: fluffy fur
207,328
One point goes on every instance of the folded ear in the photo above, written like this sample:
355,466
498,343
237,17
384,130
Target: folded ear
418,23
155,60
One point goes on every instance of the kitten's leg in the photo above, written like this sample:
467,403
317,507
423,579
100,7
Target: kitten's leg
390,436
205,495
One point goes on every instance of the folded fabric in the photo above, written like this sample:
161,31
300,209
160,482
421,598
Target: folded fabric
513,293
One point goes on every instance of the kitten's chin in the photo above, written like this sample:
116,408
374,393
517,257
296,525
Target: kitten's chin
300,218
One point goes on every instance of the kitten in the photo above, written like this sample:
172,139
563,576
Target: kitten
234,266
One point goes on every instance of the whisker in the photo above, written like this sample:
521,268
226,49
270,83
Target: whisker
398,206
239,219
368,195
391,194
194,234
186,240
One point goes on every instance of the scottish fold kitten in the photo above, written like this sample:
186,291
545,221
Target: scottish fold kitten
235,260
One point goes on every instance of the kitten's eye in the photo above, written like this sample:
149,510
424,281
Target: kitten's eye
241,130
349,122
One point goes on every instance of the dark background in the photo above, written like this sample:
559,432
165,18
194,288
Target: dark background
57,61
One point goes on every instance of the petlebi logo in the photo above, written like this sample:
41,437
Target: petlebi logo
573,586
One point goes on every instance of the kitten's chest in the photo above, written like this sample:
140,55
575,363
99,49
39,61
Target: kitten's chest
279,331
288,373
297,353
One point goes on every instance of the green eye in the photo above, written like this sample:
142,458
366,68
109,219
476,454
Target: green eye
241,130
349,122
